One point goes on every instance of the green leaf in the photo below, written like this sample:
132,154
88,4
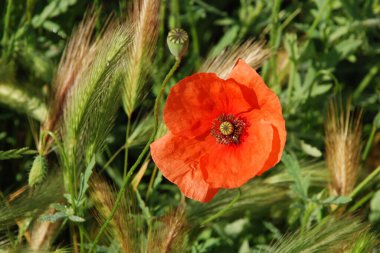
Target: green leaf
347,47
228,38
376,121
301,184
84,178
52,217
69,198
75,218
53,9
235,228
59,207
337,200
143,207
375,202
310,150
320,89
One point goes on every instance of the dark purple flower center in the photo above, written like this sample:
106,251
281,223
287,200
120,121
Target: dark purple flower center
228,129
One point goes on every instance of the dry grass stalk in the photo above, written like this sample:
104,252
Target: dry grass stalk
104,197
75,58
93,99
343,147
169,233
128,226
253,53
143,20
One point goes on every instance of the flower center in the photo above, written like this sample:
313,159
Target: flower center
228,129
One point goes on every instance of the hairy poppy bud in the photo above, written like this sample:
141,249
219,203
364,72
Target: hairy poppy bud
38,171
178,41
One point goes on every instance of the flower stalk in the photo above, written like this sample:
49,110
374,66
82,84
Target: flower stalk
224,210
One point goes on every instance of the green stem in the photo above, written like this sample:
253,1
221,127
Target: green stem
150,186
361,202
126,146
273,42
369,142
29,10
317,20
174,18
224,210
126,179
194,35
81,237
365,182
113,157
162,37
365,82
292,72
158,98
7,19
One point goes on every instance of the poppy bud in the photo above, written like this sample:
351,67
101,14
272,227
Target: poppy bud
38,171
178,41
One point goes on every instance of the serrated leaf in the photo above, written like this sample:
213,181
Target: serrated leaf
301,184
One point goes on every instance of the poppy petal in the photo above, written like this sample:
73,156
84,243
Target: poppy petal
279,139
197,100
230,166
178,160
246,75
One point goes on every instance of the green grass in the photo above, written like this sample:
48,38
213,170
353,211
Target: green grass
318,51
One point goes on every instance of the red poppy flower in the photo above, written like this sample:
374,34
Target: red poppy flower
221,132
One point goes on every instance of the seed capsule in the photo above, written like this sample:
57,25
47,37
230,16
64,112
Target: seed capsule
178,41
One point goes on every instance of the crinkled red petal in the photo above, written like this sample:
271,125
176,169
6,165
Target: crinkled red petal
269,105
178,160
279,139
230,166
197,100
246,75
